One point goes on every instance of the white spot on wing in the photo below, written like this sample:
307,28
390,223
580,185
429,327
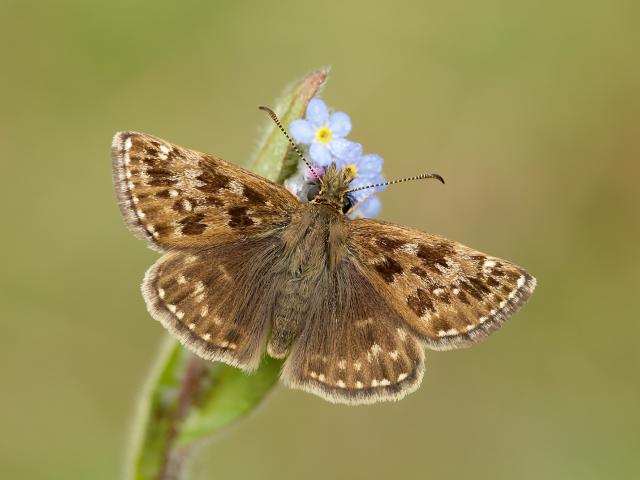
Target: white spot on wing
410,248
235,187
402,334
448,333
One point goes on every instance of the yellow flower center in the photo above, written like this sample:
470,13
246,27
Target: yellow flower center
353,170
323,135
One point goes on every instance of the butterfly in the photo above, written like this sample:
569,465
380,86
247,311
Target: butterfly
247,267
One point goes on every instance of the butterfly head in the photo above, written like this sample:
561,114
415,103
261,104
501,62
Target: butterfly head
333,191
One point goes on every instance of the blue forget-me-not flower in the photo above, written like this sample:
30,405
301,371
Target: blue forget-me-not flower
323,133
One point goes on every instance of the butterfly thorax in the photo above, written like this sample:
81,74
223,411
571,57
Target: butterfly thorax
335,185
314,240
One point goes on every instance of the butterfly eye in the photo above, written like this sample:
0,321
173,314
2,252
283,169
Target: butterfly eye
313,191
347,204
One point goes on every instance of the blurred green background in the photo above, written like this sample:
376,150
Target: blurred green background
530,110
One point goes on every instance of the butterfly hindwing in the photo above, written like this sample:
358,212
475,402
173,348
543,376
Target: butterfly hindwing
354,349
208,300
179,198
448,294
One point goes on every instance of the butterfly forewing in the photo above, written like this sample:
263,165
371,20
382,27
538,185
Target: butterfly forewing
449,294
179,198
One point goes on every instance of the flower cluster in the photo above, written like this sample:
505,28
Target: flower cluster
324,134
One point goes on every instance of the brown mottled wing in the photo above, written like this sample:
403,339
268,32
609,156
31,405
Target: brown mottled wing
450,295
354,348
179,198
207,299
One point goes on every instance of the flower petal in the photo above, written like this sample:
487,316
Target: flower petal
301,131
294,184
340,124
345,150
320,154
370,165
317,112
370,207
360,195
310,176
377,179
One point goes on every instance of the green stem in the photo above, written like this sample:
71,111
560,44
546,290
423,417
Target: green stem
190,385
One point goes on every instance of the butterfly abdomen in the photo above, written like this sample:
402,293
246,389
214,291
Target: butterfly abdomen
313,246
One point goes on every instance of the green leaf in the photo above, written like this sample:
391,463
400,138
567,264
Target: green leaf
229,396
273,160
188,399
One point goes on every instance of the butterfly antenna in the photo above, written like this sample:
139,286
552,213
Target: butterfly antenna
275,118
408,179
